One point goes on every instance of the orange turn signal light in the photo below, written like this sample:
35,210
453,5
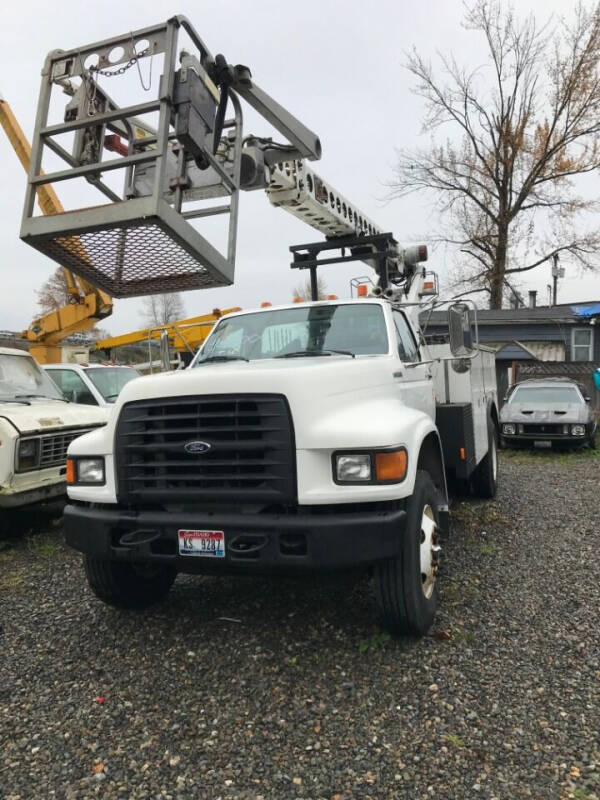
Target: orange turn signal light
70,475
391,466
463,454
362,290
298,299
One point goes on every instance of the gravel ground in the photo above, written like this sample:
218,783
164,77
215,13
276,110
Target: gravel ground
287,689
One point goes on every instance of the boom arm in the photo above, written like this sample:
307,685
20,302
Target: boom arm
185,334
89,304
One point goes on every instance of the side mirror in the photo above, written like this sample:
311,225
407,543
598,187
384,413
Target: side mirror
459,327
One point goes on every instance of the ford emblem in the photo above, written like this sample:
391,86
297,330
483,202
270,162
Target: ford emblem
197,447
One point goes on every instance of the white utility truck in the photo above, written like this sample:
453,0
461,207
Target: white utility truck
302,437
305,437
37,424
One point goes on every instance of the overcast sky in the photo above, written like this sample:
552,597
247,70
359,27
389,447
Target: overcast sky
335,64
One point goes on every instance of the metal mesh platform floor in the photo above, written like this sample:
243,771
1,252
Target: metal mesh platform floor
130,260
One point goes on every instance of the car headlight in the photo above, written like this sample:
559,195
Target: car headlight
508,429
28,454
578,430
384,466
86,470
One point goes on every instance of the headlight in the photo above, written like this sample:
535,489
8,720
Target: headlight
383,466
28,454
578,430
86,471
353,467
508,429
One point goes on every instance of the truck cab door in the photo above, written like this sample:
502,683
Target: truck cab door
415,382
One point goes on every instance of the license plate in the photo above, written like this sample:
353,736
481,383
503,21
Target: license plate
210,544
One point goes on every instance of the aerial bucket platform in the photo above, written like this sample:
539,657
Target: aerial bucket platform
147,236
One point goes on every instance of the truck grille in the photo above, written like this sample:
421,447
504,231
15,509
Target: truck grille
53,447
250,455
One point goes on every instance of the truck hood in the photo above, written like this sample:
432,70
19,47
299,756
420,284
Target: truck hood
325,394
556,413
328,375
46,415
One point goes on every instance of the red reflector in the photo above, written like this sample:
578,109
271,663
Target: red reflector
463,454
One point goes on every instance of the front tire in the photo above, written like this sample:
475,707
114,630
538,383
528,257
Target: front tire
406,587
125,585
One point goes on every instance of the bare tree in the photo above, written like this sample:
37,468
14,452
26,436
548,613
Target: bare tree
303,290
97,333
523,126
160,309
54,292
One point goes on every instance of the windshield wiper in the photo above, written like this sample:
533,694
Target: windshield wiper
14,400
108,396
221,358
326,352
45,396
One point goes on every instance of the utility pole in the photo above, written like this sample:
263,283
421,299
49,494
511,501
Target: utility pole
556,274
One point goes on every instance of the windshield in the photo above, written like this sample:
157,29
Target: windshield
20,377
353,329
110,380
545,395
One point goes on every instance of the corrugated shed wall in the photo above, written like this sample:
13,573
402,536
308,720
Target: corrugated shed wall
547,351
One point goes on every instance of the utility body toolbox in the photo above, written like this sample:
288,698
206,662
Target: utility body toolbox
466,403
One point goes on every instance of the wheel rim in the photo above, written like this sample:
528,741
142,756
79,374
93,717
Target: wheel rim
429,551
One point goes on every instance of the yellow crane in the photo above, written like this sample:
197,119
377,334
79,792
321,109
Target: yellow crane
88,304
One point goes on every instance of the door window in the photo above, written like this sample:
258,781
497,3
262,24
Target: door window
407,346
72,386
